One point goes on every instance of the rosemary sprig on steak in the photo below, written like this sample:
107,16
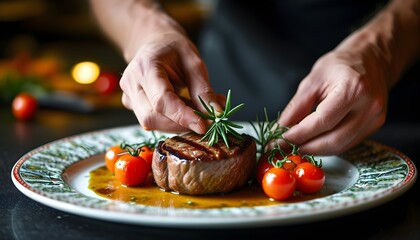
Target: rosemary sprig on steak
220,126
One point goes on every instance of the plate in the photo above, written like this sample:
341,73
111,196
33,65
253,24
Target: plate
57,175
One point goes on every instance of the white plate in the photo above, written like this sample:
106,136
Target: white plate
57,175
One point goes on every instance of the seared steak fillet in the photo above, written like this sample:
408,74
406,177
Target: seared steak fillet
187,165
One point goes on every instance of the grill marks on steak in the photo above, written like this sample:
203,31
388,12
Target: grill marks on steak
187,165
190,147
194,147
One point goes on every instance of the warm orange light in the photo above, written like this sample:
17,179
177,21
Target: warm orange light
85,72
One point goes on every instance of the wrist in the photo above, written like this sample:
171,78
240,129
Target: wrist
153,21
391,39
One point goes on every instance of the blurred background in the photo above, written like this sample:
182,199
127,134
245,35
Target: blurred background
56,51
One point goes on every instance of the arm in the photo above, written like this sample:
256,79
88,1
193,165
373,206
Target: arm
348,87
127,23
393,35
161,62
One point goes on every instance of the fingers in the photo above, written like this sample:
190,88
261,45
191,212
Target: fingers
126,101
221,99
152,82
329,113
150,93
338,123
353,129
335,107
150,119
300,106
197,81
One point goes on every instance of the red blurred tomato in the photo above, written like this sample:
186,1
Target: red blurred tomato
24,106
107,83
309,178
131,170
147,154
112,155
278,184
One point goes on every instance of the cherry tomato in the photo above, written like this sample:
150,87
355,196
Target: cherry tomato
309,178
147,154
107,83
24,106
263,166
292,161
131,170
278,184
112,155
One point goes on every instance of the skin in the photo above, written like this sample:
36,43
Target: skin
345,94
162,60
348,87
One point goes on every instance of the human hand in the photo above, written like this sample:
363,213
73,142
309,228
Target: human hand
348,87
342,101
165,64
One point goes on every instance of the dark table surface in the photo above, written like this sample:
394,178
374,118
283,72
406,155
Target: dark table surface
24,218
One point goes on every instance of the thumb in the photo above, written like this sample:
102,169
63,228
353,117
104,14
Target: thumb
217,101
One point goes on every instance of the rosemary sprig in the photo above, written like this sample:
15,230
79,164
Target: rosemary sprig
220,126
135,148
267,131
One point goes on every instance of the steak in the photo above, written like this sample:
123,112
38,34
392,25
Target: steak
184,164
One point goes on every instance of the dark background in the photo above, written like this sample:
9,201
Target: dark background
66,31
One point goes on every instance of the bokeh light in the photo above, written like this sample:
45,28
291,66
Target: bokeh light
85,72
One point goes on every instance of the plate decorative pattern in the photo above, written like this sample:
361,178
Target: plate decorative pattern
380,174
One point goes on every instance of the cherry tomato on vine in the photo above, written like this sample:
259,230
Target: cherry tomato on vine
131,170
292,161
112,155
278,184
263,166
24,106
147,154
309,178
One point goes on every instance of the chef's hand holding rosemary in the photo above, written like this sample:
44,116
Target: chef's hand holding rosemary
220,126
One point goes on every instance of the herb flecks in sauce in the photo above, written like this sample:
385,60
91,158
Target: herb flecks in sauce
103,183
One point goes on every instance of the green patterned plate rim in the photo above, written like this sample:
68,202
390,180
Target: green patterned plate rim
364,177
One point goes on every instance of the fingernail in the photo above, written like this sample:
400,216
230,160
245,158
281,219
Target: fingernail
195,127
217,108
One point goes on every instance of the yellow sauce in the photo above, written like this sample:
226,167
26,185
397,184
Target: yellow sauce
103,183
